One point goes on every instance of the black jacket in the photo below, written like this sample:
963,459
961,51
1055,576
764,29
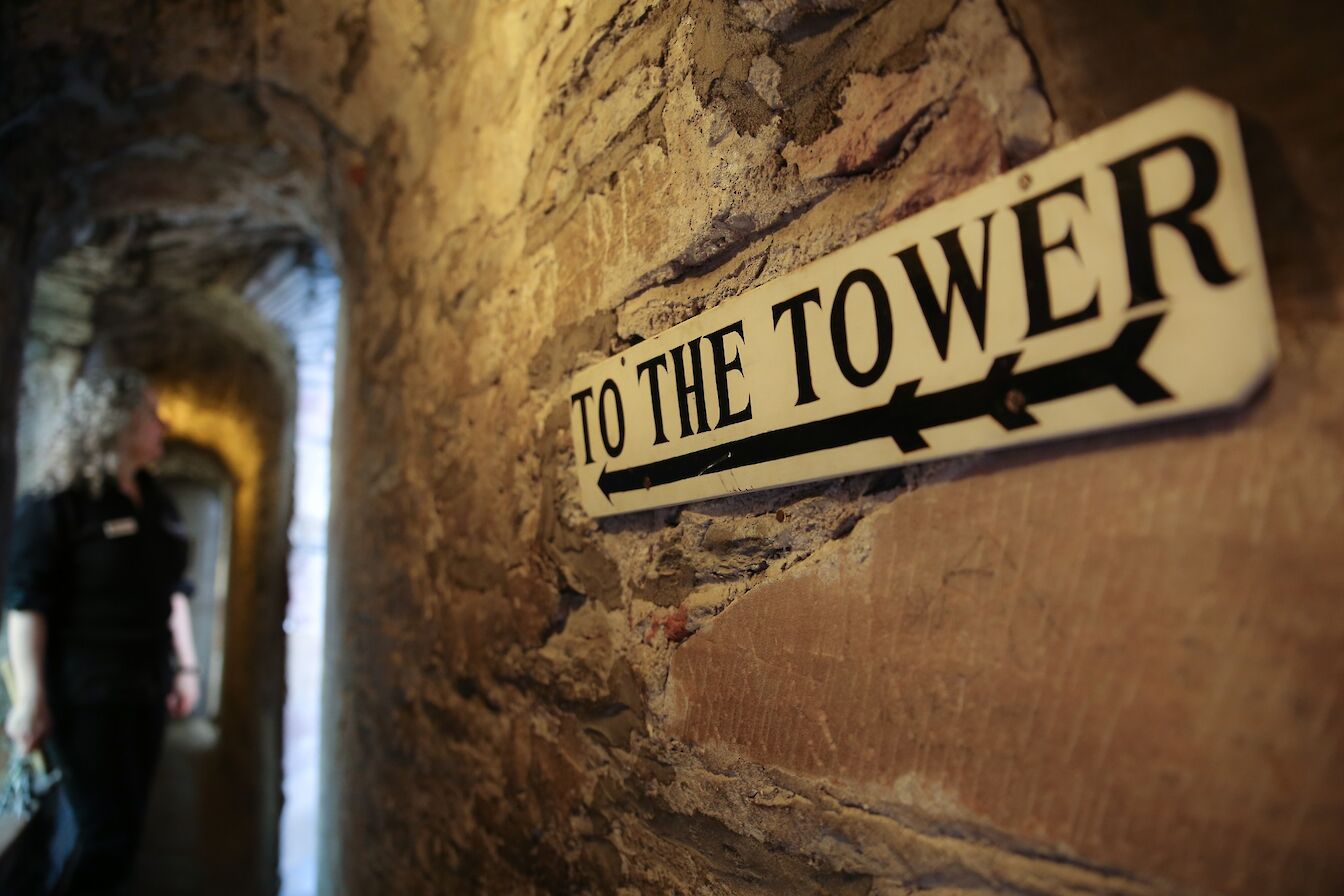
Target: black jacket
103,572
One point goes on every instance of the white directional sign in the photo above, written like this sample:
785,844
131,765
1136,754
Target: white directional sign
1117,280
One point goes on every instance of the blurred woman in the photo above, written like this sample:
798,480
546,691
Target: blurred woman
99,623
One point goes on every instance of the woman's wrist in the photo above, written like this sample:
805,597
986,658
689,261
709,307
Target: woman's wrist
188,670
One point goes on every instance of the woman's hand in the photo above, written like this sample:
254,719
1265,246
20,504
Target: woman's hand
29,720
186,693
28,723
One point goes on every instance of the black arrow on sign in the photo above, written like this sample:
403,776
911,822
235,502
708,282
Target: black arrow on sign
1003,395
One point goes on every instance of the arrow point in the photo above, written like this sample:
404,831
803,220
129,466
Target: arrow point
1131,379
909,440
904,393
1133,340
904,427
1002,368
604,480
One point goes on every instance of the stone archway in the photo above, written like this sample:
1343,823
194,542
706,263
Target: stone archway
171,215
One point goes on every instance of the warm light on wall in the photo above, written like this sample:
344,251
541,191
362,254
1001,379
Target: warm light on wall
233,437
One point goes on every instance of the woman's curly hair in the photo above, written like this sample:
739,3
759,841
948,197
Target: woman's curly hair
86,444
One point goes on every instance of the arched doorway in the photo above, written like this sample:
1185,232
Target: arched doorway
193,252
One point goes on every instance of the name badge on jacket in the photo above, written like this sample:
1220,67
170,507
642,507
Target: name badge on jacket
120,528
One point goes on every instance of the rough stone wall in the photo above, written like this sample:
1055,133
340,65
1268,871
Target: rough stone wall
17,284
1106,667
1006,675
59,333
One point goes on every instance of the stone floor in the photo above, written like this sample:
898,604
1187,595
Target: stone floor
188,850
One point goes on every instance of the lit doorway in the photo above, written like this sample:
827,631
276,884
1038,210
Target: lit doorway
203,492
